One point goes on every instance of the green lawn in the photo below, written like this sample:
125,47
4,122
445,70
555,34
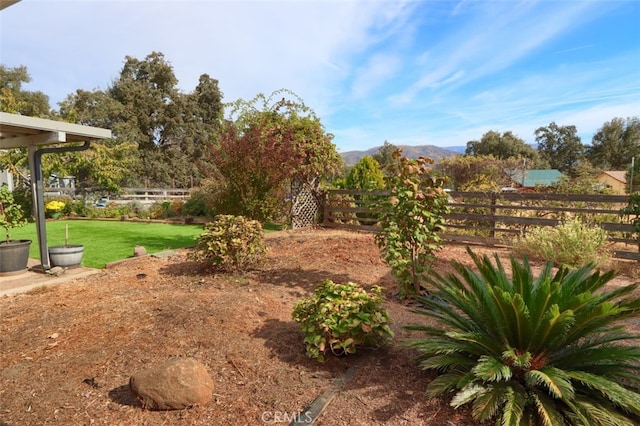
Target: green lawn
106,241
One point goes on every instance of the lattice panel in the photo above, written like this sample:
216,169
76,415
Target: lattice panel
304,206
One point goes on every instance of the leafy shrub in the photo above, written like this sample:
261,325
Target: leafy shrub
533,351
410,221
136,208
366,175
110,211
176,208
340,317
11,213
231,244
166,209
160,210
632,211
22,197
196,205
572,243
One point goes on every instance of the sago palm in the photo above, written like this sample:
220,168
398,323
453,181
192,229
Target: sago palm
551,350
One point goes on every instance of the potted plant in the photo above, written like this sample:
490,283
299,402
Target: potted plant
14,254
53,209
67,255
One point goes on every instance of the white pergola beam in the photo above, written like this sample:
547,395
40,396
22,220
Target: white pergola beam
37,139
14,126
6,3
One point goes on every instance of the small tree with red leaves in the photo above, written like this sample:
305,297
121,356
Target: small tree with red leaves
262,150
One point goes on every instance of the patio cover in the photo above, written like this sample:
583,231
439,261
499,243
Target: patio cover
18,131
7,3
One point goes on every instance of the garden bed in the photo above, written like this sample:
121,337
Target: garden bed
67,352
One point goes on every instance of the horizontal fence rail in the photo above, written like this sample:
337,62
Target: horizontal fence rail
151,194
492,218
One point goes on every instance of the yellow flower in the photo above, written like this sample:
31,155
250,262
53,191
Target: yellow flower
54,206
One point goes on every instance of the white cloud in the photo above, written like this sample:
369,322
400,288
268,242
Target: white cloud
441,72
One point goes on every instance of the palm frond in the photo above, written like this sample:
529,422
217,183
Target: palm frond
546,408
605,359
515,403
444,383
486,404
554,380
621,397
490,369
468,394
447,362
444,345
591,411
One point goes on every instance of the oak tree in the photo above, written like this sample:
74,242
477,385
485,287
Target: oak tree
615,144
501,146
560,146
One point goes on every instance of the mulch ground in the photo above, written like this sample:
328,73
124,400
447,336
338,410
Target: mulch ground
67,352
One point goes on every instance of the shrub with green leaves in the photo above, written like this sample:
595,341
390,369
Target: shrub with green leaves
551,350
571,243
341,317
231,244
632,211
365,175
136,208
196,205
411,219
11,213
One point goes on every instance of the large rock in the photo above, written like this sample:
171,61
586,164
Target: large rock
139,251
173,385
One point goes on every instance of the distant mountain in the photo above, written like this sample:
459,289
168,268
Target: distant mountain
459,149
431,151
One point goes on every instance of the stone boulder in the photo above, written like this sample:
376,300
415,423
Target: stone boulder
175,384
139,251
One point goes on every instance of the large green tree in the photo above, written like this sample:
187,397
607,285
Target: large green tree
384,157
615,144
15,99
366,174
165,134
477,172
501,146
267,145
560,146
149,96
108,164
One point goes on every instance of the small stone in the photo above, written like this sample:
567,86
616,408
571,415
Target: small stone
139,251
176,384
56,271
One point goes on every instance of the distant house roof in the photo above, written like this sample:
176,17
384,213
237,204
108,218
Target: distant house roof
619,175
533,178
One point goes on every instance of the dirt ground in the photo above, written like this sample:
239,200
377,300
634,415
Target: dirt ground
67,351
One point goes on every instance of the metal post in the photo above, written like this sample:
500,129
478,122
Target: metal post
37,188
37,194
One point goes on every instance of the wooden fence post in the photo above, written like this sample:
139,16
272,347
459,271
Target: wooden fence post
494,199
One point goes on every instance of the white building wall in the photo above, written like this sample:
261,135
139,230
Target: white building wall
6,178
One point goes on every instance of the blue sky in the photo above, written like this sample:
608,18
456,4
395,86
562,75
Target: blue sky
408,72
